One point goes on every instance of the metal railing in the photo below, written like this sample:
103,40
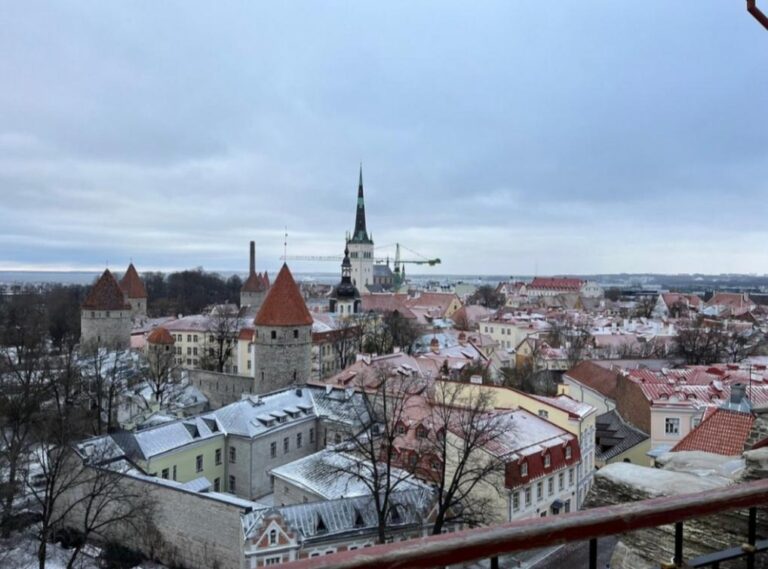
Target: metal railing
491,542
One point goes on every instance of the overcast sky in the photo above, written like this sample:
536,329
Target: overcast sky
506,137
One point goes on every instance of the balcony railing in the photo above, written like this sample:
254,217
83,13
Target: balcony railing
491,542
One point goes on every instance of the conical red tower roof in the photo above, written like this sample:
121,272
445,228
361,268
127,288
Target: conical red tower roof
132,285
106,294
283,305
160,335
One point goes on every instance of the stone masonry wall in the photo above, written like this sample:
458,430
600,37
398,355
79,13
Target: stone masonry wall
113,330
187,529
220,388
284,360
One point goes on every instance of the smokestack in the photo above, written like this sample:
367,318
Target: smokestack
253,258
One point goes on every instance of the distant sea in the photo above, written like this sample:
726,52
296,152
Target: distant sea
88,277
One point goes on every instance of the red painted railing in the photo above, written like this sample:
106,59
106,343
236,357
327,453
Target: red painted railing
484,543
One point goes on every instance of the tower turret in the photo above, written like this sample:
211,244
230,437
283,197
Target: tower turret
282,340
345,298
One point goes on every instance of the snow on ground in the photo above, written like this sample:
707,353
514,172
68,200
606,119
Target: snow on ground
20,552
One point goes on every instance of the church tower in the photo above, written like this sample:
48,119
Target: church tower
282,340
360,246
345,298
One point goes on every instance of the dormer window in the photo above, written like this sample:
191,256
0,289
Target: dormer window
524,469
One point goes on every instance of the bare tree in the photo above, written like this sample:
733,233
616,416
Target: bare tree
463,426
162,372
220,337
346,341
105,374
66,485
385,398
24,388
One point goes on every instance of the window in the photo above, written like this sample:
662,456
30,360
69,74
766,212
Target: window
174,472
218,456
547,460
551,485
286,445
528,496
217,484
164,473
232,455
539,491
524,469
273,449
568,453
298,440
570,477
273,537
672,426
199,462
561,481
515,501
311,435
232,484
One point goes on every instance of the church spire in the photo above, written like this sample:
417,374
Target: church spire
360,234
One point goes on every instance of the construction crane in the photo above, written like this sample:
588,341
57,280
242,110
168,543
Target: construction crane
398,261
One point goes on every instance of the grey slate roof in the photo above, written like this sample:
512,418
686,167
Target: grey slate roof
346,515
613,436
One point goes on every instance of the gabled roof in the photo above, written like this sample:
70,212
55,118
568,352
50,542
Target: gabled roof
284,305
723,432
132,285
596,377
106,294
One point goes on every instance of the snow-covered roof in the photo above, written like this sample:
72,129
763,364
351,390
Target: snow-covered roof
331,474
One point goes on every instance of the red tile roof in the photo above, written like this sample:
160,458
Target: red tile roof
106,294
723,432
556,283
602,380
132,285
284,305
160,335
256,282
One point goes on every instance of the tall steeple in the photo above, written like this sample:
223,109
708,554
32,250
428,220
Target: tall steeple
360,234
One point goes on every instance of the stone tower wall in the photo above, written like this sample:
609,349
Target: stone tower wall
110,328
284,360
253,299
138,307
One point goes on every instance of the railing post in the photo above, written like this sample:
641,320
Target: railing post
678,544
593,553
749,547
